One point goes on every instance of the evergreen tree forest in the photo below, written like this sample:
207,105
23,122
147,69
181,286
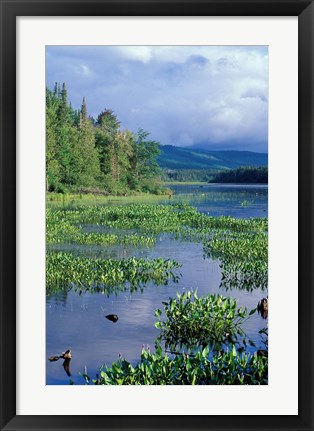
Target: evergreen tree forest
245,175
187,175
86,154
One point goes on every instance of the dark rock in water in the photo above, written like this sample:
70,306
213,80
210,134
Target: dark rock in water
112,317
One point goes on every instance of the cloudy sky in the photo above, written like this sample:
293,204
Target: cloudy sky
210,96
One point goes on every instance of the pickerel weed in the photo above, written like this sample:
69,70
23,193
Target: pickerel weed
101,275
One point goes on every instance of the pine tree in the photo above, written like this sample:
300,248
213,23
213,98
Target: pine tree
83,116
63,111
85,152
56,90
52,161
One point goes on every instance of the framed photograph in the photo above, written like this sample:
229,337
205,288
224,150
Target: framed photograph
156,215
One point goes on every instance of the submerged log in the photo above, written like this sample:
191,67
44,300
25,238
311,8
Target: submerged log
53,358
64,355
262,308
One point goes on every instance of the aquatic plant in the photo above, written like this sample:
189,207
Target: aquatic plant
63,270
61,229
180,219
239,244
243,258
212,320
229,368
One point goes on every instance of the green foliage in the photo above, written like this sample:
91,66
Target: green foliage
229,368
243,257
190,321
71,155
85,154
63,270
82,152
239,244
180,219
61,230
144,167
189,175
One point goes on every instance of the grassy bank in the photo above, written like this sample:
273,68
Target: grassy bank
55,200
184,183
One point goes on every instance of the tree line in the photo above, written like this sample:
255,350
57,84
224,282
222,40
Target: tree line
85,153
247,174
183,175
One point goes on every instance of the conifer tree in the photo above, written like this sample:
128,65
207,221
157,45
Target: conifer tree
85,152
52,159
83,112
63,112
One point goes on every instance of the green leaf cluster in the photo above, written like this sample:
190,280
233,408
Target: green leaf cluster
61,229
243,257
190,321
63,270
229,368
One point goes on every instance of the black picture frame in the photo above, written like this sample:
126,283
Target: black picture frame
10,9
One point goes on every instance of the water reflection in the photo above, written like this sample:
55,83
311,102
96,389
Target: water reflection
66,366
60,295
245,281
262,308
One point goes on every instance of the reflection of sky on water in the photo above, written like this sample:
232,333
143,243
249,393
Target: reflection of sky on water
78,321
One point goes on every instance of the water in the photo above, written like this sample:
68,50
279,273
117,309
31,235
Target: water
234,200
78,322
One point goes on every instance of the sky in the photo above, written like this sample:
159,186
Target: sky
214,97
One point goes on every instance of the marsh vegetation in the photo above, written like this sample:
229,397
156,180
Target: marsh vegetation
181,280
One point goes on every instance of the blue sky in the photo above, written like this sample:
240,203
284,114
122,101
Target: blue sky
212,96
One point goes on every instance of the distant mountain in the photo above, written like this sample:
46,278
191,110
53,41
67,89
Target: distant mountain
231,145
172,157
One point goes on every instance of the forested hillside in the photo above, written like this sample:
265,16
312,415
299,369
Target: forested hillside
172,157
83,153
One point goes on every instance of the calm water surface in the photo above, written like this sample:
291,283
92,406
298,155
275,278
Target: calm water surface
78,322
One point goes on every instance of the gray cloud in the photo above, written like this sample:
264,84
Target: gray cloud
182,95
